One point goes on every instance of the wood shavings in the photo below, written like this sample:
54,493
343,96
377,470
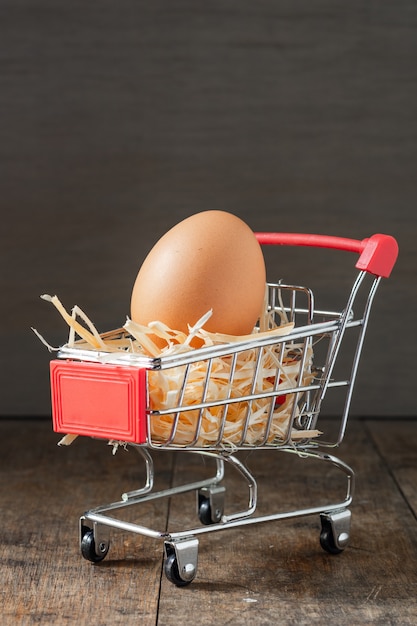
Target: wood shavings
91,336
116,445
235,395
67,440
241,416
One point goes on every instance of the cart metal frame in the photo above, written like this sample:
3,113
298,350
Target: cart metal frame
325,329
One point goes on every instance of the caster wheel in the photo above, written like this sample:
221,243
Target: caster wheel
89,550
327,542
335,531
172,572
204,512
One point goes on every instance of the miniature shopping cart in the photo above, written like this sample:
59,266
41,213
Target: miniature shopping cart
111,396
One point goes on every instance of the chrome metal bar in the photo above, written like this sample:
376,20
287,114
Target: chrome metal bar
356,358
203,398
166,493
227,400
181,394
150,475
235,520
119,524
261,395
253,393
252,486
342,328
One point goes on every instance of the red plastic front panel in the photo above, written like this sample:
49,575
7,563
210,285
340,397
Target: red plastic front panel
99,400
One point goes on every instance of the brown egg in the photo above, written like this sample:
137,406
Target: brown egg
209,261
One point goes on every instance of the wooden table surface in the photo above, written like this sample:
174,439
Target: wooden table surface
271,573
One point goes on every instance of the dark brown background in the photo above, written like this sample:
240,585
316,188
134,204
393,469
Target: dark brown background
118,119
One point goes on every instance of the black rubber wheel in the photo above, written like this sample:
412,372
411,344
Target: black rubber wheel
204,511
327,542
88,548
172,572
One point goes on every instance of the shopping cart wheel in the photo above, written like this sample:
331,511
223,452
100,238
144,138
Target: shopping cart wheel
89,550
172,572
180,565
335,531
204,512
328,544
210,504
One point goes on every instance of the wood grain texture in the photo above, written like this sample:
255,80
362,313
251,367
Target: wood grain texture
44,490
277,573
262,574
396,441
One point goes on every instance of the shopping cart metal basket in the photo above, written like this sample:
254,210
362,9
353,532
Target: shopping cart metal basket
111,396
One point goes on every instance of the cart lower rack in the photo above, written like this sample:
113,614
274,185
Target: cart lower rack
263,392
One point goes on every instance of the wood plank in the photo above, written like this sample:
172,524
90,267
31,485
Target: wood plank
396,441
277,573
269,573
43,491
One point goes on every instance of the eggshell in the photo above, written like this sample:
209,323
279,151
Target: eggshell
209,261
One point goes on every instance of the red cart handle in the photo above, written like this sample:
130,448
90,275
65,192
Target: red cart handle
378,253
